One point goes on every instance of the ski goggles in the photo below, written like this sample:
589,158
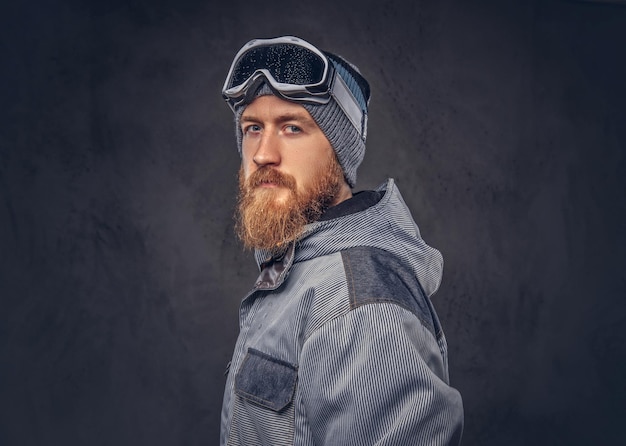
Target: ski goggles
296,71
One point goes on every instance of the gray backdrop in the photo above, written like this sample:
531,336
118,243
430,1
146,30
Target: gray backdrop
120,278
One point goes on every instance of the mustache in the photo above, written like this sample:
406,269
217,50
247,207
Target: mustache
270,175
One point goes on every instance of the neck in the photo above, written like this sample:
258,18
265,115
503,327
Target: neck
344,193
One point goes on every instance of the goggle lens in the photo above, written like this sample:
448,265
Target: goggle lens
286,63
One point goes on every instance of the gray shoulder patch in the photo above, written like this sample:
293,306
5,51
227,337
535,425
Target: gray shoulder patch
377,276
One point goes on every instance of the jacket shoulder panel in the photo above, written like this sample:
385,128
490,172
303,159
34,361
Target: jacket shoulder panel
377,276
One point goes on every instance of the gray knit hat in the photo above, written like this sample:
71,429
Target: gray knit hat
344,138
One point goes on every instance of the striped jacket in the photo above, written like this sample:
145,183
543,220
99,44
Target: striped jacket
339,343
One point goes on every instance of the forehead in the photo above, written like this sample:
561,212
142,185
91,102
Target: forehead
270,106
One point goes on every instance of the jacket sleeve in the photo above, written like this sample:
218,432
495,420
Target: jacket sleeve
376,376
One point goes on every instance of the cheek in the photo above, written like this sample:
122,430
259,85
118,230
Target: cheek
247,165
307,176
247,151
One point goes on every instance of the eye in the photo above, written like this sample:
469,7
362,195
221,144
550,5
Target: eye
293,129
252,128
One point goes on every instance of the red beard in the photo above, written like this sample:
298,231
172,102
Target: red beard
265,222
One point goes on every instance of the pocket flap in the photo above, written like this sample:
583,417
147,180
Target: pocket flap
266,380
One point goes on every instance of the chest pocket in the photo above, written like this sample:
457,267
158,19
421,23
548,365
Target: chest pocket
266,381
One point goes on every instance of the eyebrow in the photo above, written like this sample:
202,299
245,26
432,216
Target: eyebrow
297,117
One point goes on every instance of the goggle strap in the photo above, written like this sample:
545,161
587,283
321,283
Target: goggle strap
347,102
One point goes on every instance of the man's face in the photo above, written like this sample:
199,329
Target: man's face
289,174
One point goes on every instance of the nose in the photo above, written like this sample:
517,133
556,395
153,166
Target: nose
267,151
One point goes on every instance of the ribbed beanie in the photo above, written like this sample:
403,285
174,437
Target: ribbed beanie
336,126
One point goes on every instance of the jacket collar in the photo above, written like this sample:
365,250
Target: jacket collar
275,269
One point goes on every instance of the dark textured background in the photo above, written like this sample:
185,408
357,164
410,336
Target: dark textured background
502,121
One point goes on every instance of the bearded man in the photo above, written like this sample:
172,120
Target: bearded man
339,343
